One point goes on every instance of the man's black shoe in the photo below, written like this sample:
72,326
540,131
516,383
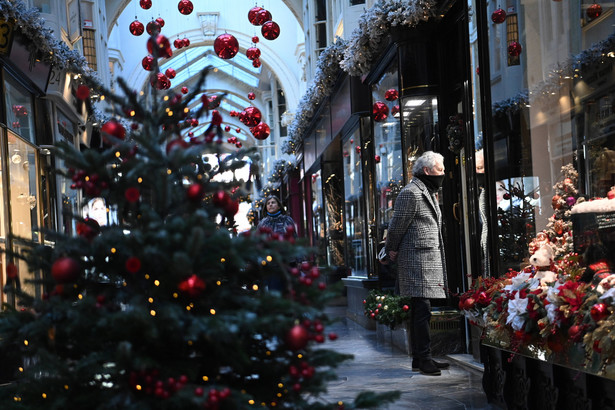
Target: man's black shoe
428,368
439,365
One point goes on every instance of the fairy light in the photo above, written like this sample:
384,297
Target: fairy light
205,378
152,312
218,283
222,260
25,342
212,311
150,300
113,250
157,282
140,180
255,287
269,258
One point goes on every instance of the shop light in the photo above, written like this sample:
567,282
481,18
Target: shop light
414,103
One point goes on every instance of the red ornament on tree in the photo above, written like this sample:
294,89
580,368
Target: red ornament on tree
185,7
83,92
195,192
251,116
594,11
253,15
176,143
170,73
297,337
391,94
160,82
498,16
193,286
133,264
380,111
262,17
113,128
145,4
136,28
65,270
599,311
153,27
88,229
251,96
270,30
514,49
221,199
132,194
256,63
253,53
261,131
148,63
226,46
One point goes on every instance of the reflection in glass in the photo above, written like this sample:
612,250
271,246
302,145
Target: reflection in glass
19,112
354,208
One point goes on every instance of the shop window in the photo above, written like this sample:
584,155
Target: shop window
69,198
512,34
356,2
89,47
281,111
320,26
19,109
319,240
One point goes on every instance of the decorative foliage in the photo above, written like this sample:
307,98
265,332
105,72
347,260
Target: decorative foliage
387,308
280,168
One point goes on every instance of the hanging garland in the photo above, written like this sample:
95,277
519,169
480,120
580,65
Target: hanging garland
281,167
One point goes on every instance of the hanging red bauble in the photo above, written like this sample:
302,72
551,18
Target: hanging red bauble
184,90
65,270
256,63
132,194
255,39
195,192
178,43
599,311
357,149
250,116
227,128
594,11
261,131
83,92
133,264
170,73
237,129
251,96
270,30
380,111
160,81
145,4
253,15
161,44
176,143
498,16
233,113
136,28
297,337
88,229
113,128
186,42
148,63
160,21
193,286
514,49
153,27
262,17
226,46
377,159
185,7
395,111
391,94
253,53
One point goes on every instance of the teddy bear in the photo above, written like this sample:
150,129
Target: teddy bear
542,260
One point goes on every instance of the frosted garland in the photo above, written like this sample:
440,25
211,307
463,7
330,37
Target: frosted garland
281,167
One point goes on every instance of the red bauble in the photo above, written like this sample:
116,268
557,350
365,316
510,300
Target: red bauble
256,63
395,111
153,27
178,43
357,149
380,111
185,7
253,15
231,208
297,337
221,199
11,271
216,118
193,286
160,82
498,16
261,131
251,116
83,92
184,90
251,96
170,73
253,53
594,11
132,194
514,49
555,203
262,17
162,46
136,28
133,264
391,94
88,229
65,270
148,63
270,30
226,46
160,21
377,159
238,129
176,143
227,128
145,4
195,192
186,42
113,128
255,39
599,311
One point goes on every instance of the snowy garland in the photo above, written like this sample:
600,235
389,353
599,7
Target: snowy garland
365,44
281,167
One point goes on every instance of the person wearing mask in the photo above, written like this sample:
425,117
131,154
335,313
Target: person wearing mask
414,239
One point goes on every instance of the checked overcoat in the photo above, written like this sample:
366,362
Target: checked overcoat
415,233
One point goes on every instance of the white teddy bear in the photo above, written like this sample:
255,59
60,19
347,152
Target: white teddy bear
542,260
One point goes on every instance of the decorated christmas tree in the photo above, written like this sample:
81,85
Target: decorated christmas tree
167,308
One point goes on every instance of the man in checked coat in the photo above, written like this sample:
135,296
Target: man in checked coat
414,239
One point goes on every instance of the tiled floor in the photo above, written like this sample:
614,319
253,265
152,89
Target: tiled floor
378,367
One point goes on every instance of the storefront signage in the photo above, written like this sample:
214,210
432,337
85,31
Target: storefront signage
57,78
6,36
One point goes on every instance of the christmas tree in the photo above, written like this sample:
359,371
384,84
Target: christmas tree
167,308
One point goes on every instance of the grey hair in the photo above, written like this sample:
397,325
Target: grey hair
428,159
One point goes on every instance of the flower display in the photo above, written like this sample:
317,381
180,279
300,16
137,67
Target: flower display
387,308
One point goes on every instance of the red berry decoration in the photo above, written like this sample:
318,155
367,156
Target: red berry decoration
226,46
132,194
185,7
113,128
83,92
65,270
498,16
133,264
170,73
88,229
380,111
184,90
195,192
153,27
391,94
145,4
297,337
270,30
148,63
136,28
251,96
193,286
255,39
261,131
256,63
251,116
262,17
514,49
253,15
160,21
594,11
253,53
